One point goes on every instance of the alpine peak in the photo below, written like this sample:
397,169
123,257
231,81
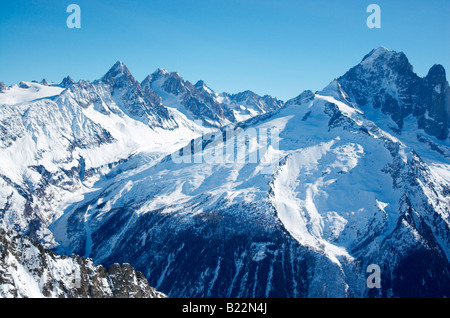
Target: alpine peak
117,70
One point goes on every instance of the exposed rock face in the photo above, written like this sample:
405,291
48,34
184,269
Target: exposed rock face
203,104
29,270
66,82
385,80
133,100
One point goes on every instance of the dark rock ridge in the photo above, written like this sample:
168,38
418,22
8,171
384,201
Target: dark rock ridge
133,100
385,80
29,270
2,87
66,82
202,103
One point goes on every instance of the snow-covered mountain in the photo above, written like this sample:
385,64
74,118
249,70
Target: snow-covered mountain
56,141
201,103
194,189
385,81
30,271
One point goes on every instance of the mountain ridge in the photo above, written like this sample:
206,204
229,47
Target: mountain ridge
359,176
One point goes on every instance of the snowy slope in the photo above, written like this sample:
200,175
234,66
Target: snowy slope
334,194
26,92
384,80
56,143
358,176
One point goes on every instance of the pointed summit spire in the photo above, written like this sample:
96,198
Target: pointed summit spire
119,75
117,70
201,86
375,53
119,66
162,71
159,73
66,82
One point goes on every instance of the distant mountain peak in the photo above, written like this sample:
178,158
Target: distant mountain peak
386,80
22,84
159,73
162,71
201,86
119,69
437,71
66,82
119,75
376,54
119,65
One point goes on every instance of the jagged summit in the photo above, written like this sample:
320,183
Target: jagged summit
119,72
437,72
201,86
376,53
57,276
385,80
161,71
66,82
119,67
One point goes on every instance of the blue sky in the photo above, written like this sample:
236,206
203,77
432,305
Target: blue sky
276,47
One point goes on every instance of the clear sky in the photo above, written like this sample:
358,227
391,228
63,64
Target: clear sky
276,47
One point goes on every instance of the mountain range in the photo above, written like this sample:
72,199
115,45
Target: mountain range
359,175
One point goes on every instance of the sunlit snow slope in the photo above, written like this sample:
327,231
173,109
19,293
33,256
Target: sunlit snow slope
305,220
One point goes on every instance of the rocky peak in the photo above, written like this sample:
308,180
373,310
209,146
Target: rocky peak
385,80
436,76
263,104
303,98
66,82
376,53
141,104
23,85
54,276
2,87
202,87
243,96
119,76
160,72
175,84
